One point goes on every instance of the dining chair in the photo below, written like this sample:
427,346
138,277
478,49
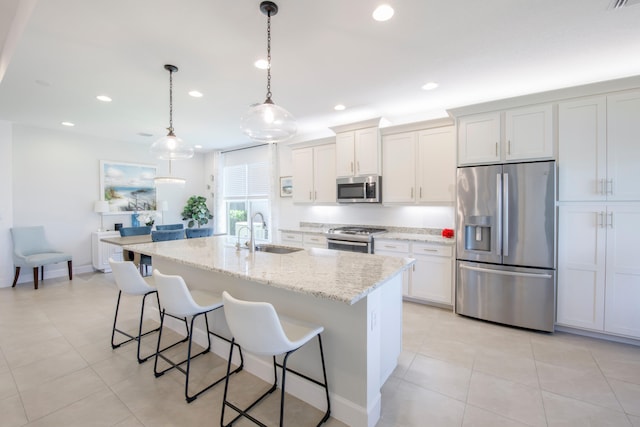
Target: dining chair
170,227
31,249
257,328
178,301
129,282
135,231
198,232
160,236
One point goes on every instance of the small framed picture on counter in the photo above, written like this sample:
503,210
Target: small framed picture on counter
286,186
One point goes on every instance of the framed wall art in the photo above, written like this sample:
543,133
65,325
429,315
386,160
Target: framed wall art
286,186
128,187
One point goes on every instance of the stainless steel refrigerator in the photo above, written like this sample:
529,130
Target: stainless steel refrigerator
506,240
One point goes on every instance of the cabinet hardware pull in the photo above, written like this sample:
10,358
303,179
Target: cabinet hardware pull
315,195
429,250
310,195
412,192
358,164
509,147
610,215
602,189
390,246
496,149
600,219
421,192
610,186
351,166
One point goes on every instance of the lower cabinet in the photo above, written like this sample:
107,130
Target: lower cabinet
101,252
300,239
598,270
431,278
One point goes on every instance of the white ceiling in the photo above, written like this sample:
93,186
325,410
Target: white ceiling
324,52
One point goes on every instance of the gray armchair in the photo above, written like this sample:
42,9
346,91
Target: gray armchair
31,249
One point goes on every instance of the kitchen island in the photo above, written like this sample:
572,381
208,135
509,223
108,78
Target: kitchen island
356,297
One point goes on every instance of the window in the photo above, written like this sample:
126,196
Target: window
247,185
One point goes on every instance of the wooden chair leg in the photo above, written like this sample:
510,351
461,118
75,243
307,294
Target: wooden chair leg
15,278
42,272
70,270
35,277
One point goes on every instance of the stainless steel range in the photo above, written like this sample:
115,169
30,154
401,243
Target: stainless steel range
352,239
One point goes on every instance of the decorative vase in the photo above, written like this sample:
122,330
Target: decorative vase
134,220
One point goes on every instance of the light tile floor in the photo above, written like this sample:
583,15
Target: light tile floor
58,369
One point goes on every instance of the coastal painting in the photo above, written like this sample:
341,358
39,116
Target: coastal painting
128,187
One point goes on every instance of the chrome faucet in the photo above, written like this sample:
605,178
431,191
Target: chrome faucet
246,227
252,244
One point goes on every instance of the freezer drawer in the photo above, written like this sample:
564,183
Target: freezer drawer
523,297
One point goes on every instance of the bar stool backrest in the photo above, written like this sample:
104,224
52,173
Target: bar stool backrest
174,295
128,279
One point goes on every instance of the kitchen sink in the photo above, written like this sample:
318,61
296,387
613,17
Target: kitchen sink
274,249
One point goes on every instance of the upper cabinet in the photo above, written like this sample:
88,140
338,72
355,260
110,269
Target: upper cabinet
419,166
598,154
528,135
479,139
314,174
358,149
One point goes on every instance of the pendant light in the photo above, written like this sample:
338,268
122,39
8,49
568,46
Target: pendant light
268,122
170,147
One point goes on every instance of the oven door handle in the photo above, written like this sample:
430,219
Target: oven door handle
346,242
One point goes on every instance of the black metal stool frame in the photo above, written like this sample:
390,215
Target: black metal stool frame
137,338
191,398
283,366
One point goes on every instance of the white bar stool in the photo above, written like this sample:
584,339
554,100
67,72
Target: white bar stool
258,329
177,301
129,281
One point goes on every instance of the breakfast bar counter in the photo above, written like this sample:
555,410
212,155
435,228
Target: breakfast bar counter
356,297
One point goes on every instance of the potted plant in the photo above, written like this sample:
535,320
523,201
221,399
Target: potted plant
196,211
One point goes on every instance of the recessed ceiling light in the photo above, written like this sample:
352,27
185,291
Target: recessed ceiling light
262,64
195,94
384,12
67,124
339,107
103,98
198,146
430,86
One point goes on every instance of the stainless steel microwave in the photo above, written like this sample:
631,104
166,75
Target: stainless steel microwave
359,189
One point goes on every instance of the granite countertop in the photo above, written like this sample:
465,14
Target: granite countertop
337,275
417,237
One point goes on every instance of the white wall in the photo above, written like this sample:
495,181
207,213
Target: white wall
56,179
6,207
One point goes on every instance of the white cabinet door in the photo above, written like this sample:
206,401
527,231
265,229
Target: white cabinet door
479,138
436,170
397,249
432,274
399,168
302,175
324,173
582,149
314,241
623,146
622,299
581,266
358,153
345,143
367,152
529,133
101,251
291,238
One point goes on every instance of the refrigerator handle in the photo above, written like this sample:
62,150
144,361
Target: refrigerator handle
506,273
498,223
505,224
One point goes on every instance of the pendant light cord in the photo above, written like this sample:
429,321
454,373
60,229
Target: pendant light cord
170,128
268,56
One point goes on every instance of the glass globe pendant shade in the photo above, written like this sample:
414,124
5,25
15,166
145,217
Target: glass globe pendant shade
268,122
170,147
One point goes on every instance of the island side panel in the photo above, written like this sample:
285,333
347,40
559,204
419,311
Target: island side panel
352,349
